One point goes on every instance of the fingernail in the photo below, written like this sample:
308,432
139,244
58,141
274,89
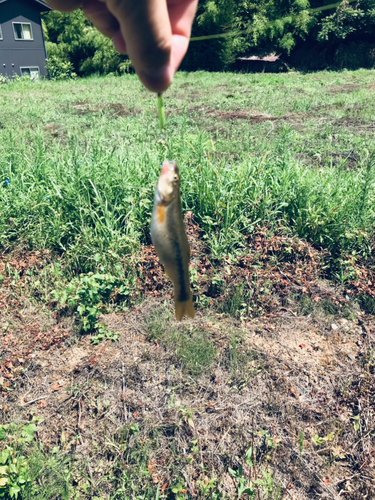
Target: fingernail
157,80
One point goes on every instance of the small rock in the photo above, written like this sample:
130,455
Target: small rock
334,327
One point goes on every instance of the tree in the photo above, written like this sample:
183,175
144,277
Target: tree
312,34
213,17
348,18
72,38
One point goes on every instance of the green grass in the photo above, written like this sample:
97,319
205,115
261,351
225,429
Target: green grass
27,470
79,162
193,348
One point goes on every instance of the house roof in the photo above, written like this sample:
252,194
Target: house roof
41,6
270,58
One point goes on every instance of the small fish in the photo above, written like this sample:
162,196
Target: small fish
169,237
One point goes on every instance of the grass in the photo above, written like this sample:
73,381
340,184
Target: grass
77,170
193,349
28,471
79,162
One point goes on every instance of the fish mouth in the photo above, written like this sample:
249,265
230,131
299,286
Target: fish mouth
166,168
170,169
169,182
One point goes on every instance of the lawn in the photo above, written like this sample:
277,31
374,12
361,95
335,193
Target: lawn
268,393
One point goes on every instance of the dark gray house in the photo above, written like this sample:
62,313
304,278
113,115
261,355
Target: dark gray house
22,47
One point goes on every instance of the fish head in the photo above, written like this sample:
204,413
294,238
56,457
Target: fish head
169,181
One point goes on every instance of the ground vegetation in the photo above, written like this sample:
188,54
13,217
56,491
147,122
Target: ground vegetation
268,393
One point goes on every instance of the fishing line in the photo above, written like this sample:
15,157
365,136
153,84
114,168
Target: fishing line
230,34
224,35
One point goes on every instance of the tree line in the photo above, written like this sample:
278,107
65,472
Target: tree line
313,34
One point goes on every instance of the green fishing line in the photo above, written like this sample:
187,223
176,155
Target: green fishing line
161,112
233,34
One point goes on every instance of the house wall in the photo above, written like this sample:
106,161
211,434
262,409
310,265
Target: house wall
17,53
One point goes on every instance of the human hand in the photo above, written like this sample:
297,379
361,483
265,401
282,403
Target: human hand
154,33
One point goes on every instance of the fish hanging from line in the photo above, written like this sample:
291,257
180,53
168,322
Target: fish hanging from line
169,237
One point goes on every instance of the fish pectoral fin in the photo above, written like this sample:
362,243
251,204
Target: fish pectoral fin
182,308
169,274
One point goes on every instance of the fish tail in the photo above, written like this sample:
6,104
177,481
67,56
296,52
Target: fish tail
182,308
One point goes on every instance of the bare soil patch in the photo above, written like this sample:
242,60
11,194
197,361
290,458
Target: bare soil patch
251,115
352,159
355,123
233,115
56,131
116,110
242,115
346,88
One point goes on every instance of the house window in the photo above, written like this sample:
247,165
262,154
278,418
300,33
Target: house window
22,31
32,71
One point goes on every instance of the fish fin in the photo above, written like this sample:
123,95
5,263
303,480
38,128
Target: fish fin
189,309
182,308
168,273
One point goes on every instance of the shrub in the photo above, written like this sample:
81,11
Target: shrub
59,69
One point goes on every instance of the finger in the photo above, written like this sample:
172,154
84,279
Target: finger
146,29
64,5
96,11
119,42
179,48
181,15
